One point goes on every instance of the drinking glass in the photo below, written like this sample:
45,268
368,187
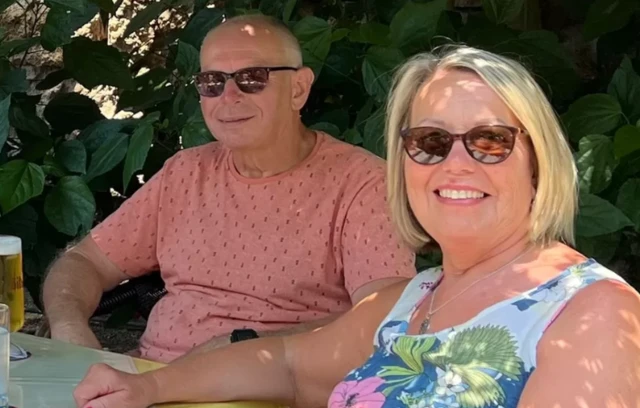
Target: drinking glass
5,327
11,279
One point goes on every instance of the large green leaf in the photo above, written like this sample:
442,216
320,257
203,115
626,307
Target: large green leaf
32,131
137,152
23,117
67,112
352,136
200,24
72,5
339,68
145,16
70,206
20,181
591,114
151,88
22,223
13,47
108,156
94,63
61,24
415,24
377,70
53,79
374,133
371,32
626,141
542,51
288,10
106,5
269,7
481,33
502,11
338,117
625,87
629,201
599,217
309,28
51,167
4,4
327,127
608,15
4,120
101,132
184,105
195,131
13,81
72,155
602,247
187,59
314,35
595,161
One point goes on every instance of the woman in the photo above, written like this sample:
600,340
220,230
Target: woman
513,318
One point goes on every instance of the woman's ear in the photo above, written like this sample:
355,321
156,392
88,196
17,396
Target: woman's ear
302,82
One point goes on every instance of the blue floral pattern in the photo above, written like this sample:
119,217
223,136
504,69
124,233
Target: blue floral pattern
484,363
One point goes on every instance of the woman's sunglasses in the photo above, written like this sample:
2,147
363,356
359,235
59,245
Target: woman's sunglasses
489,144
249,80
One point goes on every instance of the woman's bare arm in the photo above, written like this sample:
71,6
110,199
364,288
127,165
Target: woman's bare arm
299,370
590,356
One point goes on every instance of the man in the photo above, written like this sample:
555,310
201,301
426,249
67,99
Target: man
275,227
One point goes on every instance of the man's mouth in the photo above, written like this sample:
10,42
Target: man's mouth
235,120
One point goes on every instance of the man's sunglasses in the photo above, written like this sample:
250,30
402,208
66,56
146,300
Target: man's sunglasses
249,80
489,144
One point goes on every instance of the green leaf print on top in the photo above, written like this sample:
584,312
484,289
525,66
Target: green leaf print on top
412,352
467,366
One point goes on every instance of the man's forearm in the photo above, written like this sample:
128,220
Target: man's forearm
72,290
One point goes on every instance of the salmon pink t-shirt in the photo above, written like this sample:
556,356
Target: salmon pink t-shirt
264,253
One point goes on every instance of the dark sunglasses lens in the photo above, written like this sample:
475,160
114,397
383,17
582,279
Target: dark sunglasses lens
490,144
252,80
427,145
210,84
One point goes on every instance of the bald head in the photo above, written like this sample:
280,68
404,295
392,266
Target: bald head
260,28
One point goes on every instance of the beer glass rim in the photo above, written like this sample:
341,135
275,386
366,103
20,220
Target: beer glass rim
10,245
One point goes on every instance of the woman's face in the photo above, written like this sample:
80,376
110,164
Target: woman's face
460,199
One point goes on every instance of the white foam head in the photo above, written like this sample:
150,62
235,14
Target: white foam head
10,245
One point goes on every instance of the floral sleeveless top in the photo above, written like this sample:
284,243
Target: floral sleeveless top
482,363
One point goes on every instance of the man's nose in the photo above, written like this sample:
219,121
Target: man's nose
231,93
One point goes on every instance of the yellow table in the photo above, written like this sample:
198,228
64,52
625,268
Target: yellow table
47,379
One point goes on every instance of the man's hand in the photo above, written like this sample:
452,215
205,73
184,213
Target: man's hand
105,387
79,334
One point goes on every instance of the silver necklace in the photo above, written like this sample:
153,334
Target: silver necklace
424,326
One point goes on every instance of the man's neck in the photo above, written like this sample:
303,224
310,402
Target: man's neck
288,150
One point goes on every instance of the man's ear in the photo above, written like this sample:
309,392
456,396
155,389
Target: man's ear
302,82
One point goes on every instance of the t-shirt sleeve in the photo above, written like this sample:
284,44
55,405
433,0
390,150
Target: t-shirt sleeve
371,247
128,237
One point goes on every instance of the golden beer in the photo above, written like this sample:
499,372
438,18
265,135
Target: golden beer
11,281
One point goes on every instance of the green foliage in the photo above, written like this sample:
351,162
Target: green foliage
66,167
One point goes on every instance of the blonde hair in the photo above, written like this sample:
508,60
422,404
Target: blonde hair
555,203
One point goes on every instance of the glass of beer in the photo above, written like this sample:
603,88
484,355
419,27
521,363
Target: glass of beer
11,283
